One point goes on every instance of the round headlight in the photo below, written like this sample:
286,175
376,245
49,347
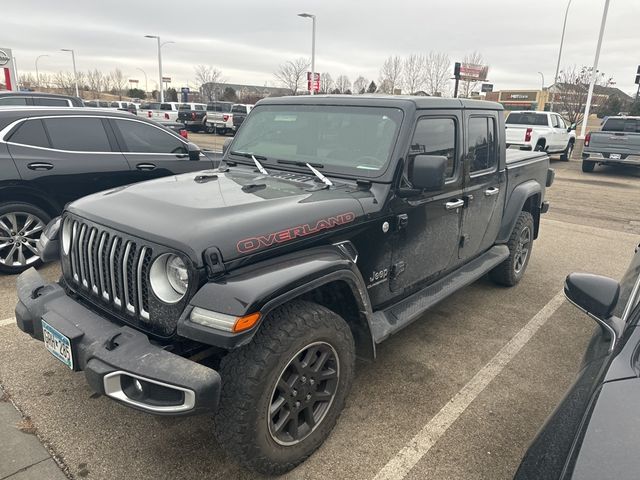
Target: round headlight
169,278
66,236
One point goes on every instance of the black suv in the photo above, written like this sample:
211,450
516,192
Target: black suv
49,157
38,99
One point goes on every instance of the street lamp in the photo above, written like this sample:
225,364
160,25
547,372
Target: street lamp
157,37
542,75
75,74
146,85
594,72
37,74
564,26
313,48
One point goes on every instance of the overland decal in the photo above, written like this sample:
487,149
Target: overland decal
255,243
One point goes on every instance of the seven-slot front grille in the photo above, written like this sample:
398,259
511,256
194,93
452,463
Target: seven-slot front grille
111,267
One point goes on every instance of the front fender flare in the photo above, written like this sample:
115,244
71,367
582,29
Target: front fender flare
263,286
514,206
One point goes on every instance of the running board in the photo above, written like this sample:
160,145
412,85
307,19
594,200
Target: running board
392,319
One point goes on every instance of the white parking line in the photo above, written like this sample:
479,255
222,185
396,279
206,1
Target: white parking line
398,467
7,321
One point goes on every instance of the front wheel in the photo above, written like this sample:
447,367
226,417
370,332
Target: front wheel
566,154
283,392
209,129
520,244
21,225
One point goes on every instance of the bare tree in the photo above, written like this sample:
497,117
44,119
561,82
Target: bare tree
571,91
413,72
27,80
326,82
468,86
118,82
293,73
95,80
65,81
437,73
343,84
207,77
360,85
390,74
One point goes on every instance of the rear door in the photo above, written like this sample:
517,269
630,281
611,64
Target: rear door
152,151
68,157
484,185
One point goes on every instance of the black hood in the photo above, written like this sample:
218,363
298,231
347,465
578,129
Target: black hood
238,211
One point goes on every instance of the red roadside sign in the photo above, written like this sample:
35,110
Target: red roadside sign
316,82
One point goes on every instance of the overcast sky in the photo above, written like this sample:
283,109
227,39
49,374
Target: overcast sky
247,39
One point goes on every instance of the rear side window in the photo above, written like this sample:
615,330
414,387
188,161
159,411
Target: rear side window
51,102
31,133
166,106
199,107
436,136
482,143
621,125
77,134
524,118
13,101
142,138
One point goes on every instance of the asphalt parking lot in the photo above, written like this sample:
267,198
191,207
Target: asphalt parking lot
457,395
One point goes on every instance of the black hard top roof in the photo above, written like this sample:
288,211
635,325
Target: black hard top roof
375,100
6,93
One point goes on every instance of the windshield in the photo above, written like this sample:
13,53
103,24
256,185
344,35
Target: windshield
628,283
341,139
527,119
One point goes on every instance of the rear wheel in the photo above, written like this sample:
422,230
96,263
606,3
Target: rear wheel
283,392
210,129
520,244
21,225
566,154
588,166
539,147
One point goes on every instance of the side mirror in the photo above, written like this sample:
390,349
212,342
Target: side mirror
597,296
194,151
428,172
225,145
573,126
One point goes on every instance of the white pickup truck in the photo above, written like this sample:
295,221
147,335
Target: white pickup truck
166,112
540,131
219,118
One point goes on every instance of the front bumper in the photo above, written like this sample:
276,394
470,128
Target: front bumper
605,158
117,359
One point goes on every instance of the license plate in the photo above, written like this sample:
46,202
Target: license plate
58,345
220,125
614,156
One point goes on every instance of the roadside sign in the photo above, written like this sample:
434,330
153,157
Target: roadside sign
316,82
133,80
7,69
487,87
185,90
166,79
469,71
638,75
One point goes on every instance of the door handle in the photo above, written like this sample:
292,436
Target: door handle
146,166
40,166
453,204
491,191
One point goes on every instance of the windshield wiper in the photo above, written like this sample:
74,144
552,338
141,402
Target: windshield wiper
322,178
248,155
261,169
300,164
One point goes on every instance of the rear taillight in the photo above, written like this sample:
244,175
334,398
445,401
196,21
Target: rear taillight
225,117
587,139
149,114
166,116
527,135
183,133
193,115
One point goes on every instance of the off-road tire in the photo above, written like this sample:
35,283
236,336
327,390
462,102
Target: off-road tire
506,273
566,153
250,373
21,209
588,166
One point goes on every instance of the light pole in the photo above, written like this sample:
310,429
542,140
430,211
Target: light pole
37,74
146,85
157,37
594,72
542,75
564,27
313,49
75,74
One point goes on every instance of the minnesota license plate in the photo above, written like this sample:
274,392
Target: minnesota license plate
57,344
220,125
614,156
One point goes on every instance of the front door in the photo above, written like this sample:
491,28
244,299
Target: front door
428,225
484,189
68,157
154,152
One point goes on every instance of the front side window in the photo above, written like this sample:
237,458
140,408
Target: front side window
555,121
561,122
166,106
142,138
30,133
77,134
482,144
435,136
342,139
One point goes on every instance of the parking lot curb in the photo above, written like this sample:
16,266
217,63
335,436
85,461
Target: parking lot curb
23,456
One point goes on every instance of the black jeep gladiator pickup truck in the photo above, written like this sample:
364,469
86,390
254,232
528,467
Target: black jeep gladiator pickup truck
248,290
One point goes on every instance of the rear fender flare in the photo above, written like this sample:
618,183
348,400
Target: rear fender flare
514,206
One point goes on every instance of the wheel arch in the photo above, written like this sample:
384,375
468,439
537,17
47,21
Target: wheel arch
525,197
24,194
